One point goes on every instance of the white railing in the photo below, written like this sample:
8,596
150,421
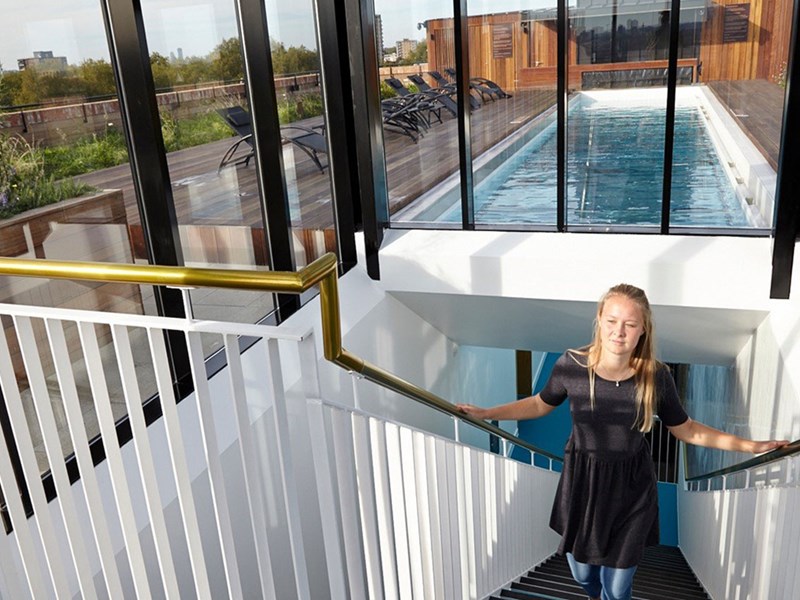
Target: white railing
253,486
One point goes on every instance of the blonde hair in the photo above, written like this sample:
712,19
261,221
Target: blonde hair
643,359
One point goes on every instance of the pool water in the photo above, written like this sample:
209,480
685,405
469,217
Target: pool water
614,173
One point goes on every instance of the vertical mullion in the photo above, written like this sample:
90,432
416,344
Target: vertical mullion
369,142
461,40
52,443
259,80
80,443
787,209
561,116
339,121
148,158
669,134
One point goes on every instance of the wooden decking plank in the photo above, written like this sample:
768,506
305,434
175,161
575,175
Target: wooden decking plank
757,106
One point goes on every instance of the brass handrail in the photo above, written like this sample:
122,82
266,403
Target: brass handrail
322,271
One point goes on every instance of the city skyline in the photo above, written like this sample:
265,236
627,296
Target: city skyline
75,30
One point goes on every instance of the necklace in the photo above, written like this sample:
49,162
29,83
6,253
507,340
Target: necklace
616,379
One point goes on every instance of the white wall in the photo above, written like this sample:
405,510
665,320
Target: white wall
742,544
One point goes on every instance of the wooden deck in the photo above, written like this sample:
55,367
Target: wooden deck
757,106
205,198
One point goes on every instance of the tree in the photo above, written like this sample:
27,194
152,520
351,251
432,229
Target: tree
162,71
97,77
195,70
417,55
30,88
5,88
227,60
295,59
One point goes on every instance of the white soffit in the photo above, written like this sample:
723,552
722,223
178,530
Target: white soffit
683,334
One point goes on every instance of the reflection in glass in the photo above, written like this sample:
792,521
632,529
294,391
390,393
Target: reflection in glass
195,56
415,52
66,190
617,73
296,67
740,102
513,66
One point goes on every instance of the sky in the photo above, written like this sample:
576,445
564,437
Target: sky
75,28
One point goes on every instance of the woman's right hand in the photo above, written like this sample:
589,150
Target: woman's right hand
473,411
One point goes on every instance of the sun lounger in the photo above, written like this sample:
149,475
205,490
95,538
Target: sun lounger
310,140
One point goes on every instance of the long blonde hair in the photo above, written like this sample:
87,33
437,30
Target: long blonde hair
643,360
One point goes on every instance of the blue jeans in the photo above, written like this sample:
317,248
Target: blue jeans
607,583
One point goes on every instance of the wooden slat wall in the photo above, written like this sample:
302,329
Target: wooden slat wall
760,57
503,71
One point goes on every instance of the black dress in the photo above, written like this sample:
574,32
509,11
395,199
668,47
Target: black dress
606,504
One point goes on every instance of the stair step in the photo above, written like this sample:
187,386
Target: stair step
530,592
663,574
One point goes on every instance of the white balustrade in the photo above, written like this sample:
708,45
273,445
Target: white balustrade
215,500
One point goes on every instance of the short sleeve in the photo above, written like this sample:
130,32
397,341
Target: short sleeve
669,410
555,390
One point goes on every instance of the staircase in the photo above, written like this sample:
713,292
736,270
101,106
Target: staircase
663,575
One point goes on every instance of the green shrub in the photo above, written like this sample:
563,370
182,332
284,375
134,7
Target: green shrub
301,107
387,91
89,154
23,182
780,76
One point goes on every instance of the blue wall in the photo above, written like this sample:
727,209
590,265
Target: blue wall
551,432
668,513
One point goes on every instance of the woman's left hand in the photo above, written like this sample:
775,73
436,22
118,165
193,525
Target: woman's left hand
767,446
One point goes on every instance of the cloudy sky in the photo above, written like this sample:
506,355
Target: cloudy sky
74,29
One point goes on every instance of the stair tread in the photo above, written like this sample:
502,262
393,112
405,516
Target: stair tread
663,574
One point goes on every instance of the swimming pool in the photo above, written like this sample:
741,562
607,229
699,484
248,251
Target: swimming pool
614,170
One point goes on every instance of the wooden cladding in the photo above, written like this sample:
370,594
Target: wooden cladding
757,35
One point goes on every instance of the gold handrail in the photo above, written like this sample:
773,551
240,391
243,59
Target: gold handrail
322,271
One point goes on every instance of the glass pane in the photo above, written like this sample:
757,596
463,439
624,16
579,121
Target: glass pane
617,109
195,56
301,110
738,108
513,64
415,54
66,190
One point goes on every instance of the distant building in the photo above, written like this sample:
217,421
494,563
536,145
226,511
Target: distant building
379,37
405,47
390,57
44,62
180,54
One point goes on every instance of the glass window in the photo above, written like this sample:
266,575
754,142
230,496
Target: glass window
66,190
513,70
301,111
737,105
617,77
196,60
416,55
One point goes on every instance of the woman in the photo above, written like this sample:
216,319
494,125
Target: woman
606,505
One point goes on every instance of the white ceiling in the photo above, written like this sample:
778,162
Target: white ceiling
683,334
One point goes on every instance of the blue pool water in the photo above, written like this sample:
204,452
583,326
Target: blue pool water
614,173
